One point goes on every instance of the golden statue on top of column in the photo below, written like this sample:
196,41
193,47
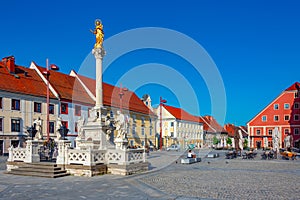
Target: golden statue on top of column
99,34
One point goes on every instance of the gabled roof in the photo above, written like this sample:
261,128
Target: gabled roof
210,124
111,98
295,86
24,81
181,114
68,88
230,128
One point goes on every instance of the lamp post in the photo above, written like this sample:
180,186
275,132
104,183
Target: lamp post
161,102
47,73
121,94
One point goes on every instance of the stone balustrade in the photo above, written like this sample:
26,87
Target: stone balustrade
17,154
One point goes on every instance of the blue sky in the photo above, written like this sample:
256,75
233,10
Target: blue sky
255,45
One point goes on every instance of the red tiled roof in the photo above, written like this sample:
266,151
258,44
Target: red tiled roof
130,100
68,88
180,114
211,124
230,128
295,86
29,84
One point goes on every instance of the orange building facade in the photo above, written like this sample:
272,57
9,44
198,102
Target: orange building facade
283,113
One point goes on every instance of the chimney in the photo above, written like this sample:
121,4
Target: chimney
10,63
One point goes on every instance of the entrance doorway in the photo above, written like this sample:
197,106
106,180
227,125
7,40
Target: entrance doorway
258,144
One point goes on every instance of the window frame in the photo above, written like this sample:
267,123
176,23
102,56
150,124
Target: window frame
276,106
296,105
50,130
288,116
51,105
14,105
275,118
298,116
37,107
258,132
296,130
286,106
15,127
262,118
66,110
77,110
65,123
270,130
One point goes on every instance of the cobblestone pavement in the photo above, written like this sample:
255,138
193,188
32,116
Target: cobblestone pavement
216,178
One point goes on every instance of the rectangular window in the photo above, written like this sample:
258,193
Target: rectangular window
51,109
75,128
37,107
276,118
133,129
276,106
64,108
77,110
143,120
0,102
286,106
296,117
65,123
143,143
286,117
150,131
172,124
270,131
15,125
1,125
296,131
296,94
296,105
264,118
15,104
51,127
172,134
143,130
257,132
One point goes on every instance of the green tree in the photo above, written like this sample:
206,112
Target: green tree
229,141
245,142
215,140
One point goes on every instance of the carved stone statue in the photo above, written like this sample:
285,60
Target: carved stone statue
287,141
80,124
238,140
38,126
275,139
58,126
98,31
120,125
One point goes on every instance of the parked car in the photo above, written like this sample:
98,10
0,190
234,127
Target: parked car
173,147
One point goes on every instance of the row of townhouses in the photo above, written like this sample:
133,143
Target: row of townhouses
23,99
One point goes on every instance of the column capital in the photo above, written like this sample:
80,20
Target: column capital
99,53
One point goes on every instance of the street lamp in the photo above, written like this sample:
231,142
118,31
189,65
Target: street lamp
121,94
161,102
47,73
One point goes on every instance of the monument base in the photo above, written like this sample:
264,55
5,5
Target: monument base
128,169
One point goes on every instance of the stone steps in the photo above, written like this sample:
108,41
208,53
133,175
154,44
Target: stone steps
48,170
